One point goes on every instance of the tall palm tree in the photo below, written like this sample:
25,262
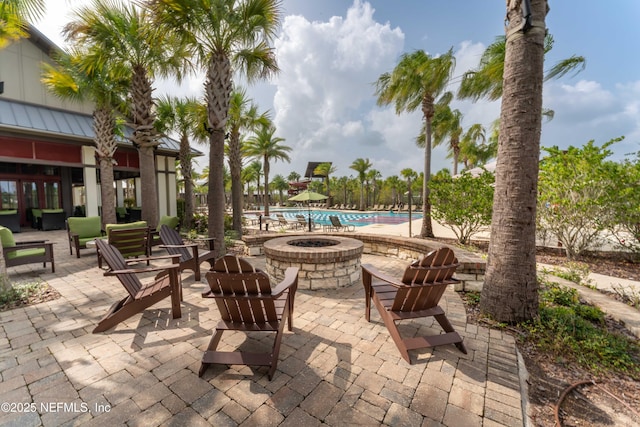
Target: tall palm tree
71,79
373,176
415,83
14,15
361,166
181,115
125,33
229,37
243,116
510,291
268,147
325,169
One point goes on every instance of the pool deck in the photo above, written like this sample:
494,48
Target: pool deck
334,369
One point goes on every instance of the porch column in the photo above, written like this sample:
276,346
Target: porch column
138,191
92,191
119,194
166,178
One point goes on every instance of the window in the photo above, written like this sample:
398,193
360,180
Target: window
9,191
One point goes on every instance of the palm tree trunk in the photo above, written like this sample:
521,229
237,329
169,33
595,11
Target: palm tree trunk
107,192
235,169
218,94
185,163
427,229
510,292
266,185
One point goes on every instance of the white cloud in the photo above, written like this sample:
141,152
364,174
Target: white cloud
326,82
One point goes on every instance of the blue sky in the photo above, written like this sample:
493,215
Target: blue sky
331,51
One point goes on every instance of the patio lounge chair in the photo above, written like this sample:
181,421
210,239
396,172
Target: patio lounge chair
247,303
165,284
170,221
416,295
303,222
20,253
10,219
190,256
81,230
338,226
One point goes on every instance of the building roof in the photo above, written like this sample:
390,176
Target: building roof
33,119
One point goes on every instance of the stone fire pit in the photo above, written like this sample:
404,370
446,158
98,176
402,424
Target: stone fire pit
324,262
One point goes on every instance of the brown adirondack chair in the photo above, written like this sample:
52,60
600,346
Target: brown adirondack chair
247,303
165,284
190,256
416,295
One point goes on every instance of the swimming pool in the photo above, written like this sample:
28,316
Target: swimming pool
358,219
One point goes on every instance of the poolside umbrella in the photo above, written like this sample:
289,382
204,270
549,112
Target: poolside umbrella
308,196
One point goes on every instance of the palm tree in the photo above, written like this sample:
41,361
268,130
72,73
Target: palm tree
181,115
373,176
473,154
446,124
243,116
361,166
251,173
71,79
293,177
510,291
267,146
325,169
14,15
393,182
125,34
415,83
228,37
279,184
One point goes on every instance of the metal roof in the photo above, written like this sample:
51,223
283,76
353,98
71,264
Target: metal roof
19,116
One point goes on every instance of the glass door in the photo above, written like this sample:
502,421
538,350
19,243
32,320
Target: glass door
31,200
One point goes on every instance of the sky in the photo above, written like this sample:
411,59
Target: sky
331,52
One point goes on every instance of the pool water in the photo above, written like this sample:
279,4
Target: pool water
358,219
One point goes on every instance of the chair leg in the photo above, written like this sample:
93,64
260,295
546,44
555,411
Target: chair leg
393,330
213,344
276,346
447,327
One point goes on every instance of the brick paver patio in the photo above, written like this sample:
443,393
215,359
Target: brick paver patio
334,368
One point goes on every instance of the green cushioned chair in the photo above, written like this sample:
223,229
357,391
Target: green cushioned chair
52,219
10,218
82,230
131,239
169,221
20,253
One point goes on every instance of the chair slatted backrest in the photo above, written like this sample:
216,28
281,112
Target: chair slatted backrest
242,293
170,236
426,281
335,221
116,262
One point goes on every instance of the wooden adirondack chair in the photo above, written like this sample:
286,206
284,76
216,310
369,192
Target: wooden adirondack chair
416,295
190,256
165,284
247,303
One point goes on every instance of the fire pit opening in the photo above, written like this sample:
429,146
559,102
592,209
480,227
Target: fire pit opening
313,243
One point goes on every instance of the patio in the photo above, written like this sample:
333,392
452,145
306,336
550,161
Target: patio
335,368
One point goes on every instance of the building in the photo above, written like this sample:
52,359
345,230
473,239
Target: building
47,156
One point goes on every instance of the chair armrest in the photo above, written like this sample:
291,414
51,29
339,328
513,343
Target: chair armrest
151,258
186,245
28,245
290,278
382,276
141,270
29,242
